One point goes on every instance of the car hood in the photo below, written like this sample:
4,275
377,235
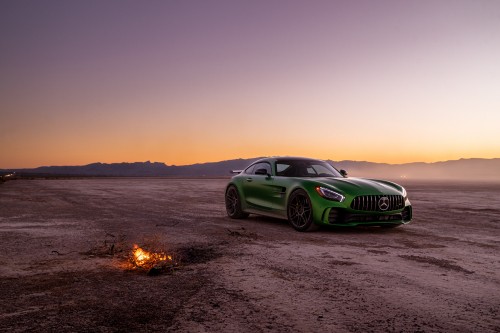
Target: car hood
360,186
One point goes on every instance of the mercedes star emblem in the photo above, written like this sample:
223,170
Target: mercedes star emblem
383,203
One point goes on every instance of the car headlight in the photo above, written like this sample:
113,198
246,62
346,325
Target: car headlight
405,195
329,194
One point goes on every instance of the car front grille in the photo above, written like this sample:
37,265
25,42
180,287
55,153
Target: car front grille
371,202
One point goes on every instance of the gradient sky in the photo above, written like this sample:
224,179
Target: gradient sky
194,81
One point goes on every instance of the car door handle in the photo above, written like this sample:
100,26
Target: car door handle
249,179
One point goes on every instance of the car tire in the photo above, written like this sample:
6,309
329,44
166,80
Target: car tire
300,212
233,204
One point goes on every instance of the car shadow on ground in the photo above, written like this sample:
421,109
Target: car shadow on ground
276,223
362,230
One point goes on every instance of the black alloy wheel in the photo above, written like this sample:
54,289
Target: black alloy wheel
299,210
233,204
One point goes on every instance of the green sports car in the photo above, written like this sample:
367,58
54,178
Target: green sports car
311,193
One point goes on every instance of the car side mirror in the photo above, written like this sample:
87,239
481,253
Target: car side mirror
262,172
343,172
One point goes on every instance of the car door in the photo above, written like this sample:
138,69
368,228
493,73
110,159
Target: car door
255,186
266,192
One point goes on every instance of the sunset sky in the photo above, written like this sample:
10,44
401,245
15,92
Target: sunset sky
183,82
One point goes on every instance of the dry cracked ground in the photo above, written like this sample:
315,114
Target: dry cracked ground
64,244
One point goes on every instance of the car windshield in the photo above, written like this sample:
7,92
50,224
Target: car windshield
305,168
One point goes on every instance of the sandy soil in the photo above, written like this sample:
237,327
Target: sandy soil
441,273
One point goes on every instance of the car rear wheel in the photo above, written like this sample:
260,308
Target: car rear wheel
233,204
299,211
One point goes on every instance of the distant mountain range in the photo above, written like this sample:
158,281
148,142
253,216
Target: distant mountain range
474,168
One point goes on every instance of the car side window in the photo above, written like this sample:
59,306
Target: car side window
281,168
262,165
250,169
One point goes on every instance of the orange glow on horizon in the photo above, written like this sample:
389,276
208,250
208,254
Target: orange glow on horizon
216,156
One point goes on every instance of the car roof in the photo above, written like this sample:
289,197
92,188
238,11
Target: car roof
285,158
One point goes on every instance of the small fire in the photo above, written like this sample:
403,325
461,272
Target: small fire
147,260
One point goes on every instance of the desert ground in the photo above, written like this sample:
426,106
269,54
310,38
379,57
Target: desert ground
65,244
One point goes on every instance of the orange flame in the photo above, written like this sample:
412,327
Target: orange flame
146,259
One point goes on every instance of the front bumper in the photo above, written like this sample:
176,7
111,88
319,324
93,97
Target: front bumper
347,218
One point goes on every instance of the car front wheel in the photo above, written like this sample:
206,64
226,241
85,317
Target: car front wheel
299,211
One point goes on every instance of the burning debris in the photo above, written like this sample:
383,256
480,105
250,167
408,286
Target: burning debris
154,262
152,255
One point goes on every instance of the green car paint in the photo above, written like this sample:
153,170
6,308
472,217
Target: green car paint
311,193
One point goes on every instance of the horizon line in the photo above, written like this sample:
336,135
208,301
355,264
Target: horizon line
250,158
